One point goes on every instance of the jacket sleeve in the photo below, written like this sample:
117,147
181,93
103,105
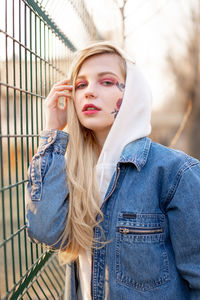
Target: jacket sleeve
184,225
46,191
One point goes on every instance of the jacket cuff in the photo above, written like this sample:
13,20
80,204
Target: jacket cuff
53,140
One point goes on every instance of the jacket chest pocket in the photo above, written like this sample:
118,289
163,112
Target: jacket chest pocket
141,260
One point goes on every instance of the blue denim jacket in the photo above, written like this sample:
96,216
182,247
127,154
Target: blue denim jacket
151,218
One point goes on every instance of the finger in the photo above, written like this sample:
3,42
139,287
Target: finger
59,88
63,87
64,81
55,97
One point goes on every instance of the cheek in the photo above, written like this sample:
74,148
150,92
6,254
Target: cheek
119,103
118,100
77,103
114,103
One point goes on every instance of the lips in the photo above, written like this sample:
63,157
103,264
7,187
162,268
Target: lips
90,107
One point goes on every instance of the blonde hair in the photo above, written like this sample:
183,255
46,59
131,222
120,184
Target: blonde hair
81,156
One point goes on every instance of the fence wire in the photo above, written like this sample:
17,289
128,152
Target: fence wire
35,53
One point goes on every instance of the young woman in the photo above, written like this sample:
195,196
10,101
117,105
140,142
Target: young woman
124,211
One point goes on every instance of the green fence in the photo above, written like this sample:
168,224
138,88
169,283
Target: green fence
35,52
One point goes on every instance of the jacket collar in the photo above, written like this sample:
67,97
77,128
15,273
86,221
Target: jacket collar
136,152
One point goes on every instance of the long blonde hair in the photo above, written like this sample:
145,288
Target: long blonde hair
81,156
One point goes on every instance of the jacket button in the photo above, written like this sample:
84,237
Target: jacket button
50,139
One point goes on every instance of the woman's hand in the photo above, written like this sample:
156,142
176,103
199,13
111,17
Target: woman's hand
56,116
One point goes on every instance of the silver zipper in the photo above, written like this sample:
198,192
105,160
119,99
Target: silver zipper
140,231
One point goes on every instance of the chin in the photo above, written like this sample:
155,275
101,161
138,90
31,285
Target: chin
97,129
93,123
97,126
93,128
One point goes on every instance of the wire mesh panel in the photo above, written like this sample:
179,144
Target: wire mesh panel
35,53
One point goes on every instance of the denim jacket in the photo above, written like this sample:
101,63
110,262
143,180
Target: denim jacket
151,218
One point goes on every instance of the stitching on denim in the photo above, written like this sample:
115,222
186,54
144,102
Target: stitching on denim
44,165
142,286
142,159
57,145
36,178
123,278
144,154
186,166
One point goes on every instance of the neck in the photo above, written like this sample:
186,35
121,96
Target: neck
100,138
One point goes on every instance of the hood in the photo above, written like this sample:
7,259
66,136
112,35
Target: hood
132,122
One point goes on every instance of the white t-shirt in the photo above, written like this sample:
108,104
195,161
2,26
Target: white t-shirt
84,292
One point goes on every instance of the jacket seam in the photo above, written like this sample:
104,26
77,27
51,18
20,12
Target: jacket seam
46,159
187,165
139,162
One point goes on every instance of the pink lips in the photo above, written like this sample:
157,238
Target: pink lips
90,109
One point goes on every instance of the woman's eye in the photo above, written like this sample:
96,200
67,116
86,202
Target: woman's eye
107,82
80,85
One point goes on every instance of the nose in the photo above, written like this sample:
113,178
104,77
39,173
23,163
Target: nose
90,92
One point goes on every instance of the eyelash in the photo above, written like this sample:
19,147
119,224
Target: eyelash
104,82
107,82
80,85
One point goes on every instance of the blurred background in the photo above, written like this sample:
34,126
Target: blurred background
163,36
37,40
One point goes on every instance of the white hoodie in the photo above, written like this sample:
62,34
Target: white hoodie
131,123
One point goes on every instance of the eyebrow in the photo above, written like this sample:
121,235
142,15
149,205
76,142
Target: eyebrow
100,74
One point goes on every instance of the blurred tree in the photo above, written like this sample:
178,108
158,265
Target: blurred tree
186,70
121,5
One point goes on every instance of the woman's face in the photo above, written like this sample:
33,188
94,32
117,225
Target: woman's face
99,91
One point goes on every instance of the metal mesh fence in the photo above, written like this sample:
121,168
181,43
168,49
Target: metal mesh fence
35,53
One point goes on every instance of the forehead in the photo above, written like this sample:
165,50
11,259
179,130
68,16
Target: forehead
101,63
